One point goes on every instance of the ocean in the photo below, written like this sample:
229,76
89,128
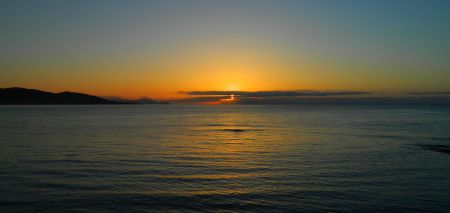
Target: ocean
245,158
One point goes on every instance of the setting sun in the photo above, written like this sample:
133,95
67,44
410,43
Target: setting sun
232,87
228,100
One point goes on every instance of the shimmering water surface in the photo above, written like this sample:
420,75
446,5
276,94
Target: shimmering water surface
223,158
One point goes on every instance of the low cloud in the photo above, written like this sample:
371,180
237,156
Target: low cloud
200,99
410,100
275,93
315,97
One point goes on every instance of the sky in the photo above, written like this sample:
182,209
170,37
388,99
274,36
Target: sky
166,49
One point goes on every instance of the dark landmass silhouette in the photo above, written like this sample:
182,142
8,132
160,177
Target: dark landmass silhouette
429,93
23,96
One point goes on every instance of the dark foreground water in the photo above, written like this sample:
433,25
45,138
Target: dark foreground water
224,158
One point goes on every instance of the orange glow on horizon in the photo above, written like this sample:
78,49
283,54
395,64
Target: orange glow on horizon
205,67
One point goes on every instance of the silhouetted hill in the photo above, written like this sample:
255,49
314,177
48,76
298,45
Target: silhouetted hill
22,96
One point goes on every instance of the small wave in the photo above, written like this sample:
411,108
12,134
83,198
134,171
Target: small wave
234,130
441,138
436,147
238,130
390,136
215,125
229,125
153,202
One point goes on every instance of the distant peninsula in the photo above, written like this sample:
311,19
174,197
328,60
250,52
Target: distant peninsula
23,96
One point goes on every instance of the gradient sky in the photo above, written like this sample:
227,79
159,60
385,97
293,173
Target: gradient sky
158,48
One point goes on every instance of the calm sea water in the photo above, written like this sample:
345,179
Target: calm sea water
223,158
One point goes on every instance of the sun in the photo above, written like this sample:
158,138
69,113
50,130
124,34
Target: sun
232,87
231,99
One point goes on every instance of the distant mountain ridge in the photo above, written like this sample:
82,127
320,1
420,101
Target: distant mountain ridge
23,96
143,100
